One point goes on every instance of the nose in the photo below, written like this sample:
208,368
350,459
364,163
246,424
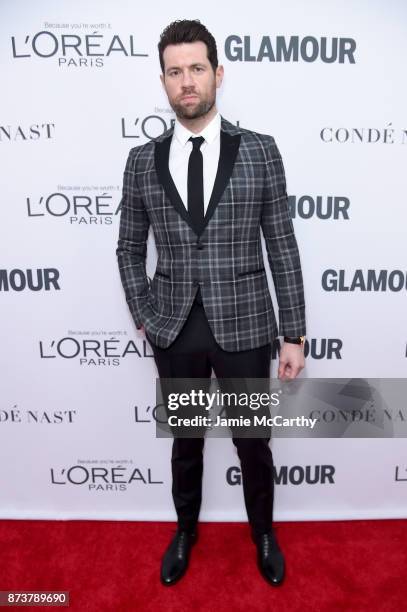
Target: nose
187,80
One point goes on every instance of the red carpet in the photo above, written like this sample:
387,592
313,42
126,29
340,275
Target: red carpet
114,566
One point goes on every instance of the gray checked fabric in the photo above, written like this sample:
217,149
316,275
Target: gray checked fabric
225,259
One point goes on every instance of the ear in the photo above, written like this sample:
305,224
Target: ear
219,74
162,80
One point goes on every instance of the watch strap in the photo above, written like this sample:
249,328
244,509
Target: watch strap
295,340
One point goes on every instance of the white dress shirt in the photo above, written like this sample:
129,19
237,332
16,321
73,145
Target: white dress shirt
180,150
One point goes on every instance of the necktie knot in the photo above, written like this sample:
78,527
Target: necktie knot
197,142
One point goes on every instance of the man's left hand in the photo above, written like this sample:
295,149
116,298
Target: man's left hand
291,361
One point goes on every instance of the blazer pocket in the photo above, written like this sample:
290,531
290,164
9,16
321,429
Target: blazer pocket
251,272
162,274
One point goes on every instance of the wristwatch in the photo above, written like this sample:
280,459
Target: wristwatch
297,340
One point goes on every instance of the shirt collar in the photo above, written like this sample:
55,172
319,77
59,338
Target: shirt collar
210,132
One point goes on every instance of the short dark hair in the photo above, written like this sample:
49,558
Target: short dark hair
188,31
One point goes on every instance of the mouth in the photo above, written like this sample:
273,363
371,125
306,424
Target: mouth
189,98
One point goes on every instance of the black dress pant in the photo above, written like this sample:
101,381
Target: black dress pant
193,355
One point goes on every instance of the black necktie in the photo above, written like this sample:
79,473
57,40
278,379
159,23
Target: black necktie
195,184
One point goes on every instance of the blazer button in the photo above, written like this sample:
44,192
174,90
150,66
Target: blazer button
200,245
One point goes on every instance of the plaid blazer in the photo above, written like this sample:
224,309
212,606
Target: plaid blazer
224,257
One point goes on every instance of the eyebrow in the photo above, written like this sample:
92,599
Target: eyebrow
190,66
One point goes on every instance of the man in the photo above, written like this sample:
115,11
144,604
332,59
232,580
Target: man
207,187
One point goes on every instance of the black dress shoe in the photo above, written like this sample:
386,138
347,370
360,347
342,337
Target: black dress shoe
175,561
270,559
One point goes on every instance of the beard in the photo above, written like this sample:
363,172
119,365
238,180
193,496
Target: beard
193,112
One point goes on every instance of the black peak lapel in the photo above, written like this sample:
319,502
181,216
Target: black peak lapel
161,158
229,147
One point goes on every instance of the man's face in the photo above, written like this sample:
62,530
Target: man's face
189,80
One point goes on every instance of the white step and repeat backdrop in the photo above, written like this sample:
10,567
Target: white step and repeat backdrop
79,87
